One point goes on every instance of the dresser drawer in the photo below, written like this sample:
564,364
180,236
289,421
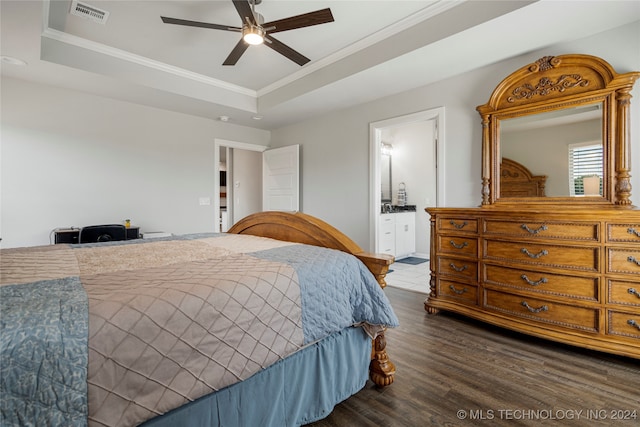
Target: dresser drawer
626,261
458,268
626,293
585,288
542,310
623,233
458,245
624,324
580,258
458,224
462,292
544,230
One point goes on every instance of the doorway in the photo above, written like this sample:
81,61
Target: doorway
257,179
242,194
420,136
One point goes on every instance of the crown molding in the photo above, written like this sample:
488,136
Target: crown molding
123,55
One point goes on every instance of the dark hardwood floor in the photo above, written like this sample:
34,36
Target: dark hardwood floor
454,371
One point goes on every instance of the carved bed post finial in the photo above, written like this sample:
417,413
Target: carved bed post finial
381,369
623,177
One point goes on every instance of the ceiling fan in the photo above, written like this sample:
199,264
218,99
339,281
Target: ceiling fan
255,31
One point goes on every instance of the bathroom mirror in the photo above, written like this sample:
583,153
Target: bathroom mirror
545,117
385,171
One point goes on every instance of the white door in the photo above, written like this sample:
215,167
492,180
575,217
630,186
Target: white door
280,179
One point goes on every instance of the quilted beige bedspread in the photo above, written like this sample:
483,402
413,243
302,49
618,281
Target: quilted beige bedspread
184,327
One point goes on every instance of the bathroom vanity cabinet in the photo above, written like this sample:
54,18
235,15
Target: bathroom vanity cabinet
397,234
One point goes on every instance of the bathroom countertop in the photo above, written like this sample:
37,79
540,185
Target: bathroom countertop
398,209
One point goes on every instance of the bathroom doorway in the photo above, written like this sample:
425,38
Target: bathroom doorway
416,161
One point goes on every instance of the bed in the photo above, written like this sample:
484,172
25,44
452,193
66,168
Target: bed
271,324
516,180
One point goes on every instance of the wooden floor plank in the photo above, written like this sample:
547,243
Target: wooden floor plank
494,377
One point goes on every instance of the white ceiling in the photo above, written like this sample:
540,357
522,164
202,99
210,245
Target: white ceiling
373,49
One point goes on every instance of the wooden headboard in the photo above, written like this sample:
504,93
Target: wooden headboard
517,181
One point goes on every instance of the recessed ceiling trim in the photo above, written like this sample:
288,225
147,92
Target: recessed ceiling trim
428,12
70,39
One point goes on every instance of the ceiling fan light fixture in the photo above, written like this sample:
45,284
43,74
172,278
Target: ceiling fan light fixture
253,34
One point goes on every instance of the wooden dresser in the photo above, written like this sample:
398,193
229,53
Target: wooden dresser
568,275
565,267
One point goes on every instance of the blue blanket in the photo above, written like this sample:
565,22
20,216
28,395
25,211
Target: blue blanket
337,290
43,349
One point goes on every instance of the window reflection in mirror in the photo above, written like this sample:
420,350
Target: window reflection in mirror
547,144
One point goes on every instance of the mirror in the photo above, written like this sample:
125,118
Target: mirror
557,131
386,151
563,146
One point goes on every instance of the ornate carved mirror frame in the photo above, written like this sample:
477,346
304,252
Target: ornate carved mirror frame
556,83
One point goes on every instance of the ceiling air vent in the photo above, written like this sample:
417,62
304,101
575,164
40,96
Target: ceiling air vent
92,13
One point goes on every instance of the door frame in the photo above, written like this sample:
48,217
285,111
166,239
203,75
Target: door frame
218,143
375,139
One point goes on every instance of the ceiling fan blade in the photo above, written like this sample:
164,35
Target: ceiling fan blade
244,10
199,24
285,50
305,20
236,53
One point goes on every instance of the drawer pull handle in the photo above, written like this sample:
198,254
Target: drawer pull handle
531,282
538,255
631,230
458,269
634,323
459,292
633,292
536,231
633,260
534,310
463,245
458,226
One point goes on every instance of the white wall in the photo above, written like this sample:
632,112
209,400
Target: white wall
74,159
335,149
70,158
